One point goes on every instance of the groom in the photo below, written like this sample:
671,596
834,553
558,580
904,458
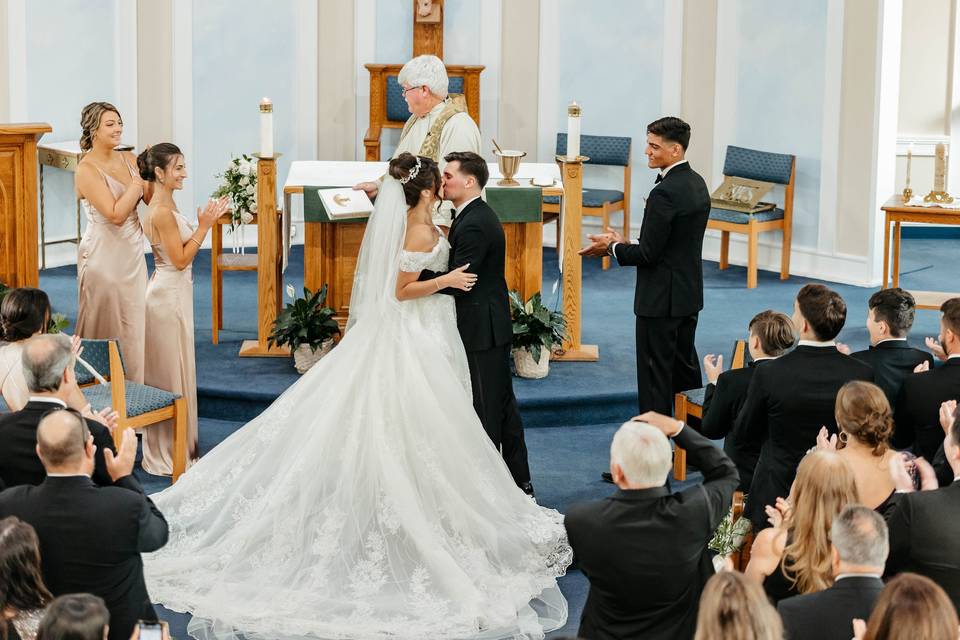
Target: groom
483,313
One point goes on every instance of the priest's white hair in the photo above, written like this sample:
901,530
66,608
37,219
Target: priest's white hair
426,71
643,453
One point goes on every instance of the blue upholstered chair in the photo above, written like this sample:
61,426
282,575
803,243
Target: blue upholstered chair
388,109
137,405
605,151
689,404
778,168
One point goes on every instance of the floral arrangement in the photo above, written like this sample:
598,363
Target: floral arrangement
239,183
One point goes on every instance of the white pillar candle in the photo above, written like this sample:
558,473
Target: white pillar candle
909,162
573,130
266,128
940,167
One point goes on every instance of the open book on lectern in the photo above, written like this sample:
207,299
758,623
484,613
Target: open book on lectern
343,203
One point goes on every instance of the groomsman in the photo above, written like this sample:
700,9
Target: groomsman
667,255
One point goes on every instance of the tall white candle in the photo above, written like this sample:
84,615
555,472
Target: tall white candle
909,162
573,130
266,128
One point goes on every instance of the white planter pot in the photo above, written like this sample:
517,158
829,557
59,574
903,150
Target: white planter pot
304,357
527,367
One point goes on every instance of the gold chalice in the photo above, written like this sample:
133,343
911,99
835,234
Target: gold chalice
509,161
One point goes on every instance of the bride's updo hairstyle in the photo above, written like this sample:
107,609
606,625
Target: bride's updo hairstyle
159,156
416,174
863,413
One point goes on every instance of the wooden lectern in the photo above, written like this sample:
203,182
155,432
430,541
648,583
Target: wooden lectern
18,203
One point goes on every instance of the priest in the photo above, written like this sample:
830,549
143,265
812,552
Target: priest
439,123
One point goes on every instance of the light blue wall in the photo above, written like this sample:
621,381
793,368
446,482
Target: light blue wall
780,92
610,60
70,62
243,50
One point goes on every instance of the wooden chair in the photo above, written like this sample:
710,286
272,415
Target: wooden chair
778,168
220,262
602,151
741,557
137,405
388,109
689,404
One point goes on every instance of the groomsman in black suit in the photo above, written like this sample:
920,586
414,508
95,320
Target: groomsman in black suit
771,335
669,290
917,416
790,398
892,358
483,313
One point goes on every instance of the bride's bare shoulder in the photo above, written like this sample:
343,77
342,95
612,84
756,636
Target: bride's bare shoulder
420,238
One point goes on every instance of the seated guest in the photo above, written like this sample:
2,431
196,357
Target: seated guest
790,398
76,616
644,549
733,606
859,551
91,537
23,596
917,410
47,365
910,607
793,556
865,422
925,525
889,319
771,334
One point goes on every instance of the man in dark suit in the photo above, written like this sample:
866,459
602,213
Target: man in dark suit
771,335
483,313
644,549
925,525
917,416
790,398
889,319
48,368
858,537
669,290
91,537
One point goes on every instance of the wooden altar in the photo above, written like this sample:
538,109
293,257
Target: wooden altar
18,203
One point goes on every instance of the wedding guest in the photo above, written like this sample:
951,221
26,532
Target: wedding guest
170,360
859,550
794,555
866,424
111,270
91,537
76,616
733,606
770,336
23,596
890,316
790,398
910,607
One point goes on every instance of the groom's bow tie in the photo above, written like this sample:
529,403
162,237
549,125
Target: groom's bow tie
659,178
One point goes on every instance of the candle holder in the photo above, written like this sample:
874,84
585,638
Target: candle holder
938,197
907,194
568,159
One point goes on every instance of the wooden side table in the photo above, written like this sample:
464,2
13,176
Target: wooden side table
220,262
895,213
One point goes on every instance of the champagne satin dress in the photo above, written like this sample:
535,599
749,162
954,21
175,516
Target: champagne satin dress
170,357
112,280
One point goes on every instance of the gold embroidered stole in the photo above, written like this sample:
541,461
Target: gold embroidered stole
430,148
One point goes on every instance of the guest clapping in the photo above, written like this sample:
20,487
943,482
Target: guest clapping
794,556
23,596
170,359
111,270
910,607
733,606
76,616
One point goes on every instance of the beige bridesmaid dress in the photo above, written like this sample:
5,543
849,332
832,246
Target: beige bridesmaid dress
13,385
112,280
170,358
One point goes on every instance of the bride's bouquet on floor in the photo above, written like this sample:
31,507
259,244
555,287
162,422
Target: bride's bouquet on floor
239,183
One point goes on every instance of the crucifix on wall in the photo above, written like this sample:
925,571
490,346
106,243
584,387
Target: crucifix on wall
428,27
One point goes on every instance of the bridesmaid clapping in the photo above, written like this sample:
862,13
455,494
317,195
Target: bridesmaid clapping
111,270
170,359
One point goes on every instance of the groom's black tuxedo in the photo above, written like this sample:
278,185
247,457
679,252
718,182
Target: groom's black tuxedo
483,319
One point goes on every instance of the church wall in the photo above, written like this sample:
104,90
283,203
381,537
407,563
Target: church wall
155,68
519,89
4,65
335,95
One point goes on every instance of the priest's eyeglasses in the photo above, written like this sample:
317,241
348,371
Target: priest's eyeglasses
403,92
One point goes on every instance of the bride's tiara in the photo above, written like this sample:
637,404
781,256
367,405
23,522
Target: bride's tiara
413,172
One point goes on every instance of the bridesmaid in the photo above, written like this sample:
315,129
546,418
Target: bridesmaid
170,359
111,269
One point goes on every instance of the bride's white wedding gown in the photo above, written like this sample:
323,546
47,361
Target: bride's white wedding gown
366,502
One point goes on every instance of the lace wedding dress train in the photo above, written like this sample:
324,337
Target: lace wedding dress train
366,501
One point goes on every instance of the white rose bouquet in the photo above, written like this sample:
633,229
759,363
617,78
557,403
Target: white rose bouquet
240,184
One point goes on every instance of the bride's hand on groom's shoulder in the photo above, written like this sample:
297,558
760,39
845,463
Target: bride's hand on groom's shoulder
459,278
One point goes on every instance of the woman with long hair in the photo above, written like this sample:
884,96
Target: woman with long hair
23,596
910,607
793,556
733,607
111,269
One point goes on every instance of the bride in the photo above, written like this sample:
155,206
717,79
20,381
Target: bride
367,501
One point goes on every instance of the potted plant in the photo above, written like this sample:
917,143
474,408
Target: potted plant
306,326
536,330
